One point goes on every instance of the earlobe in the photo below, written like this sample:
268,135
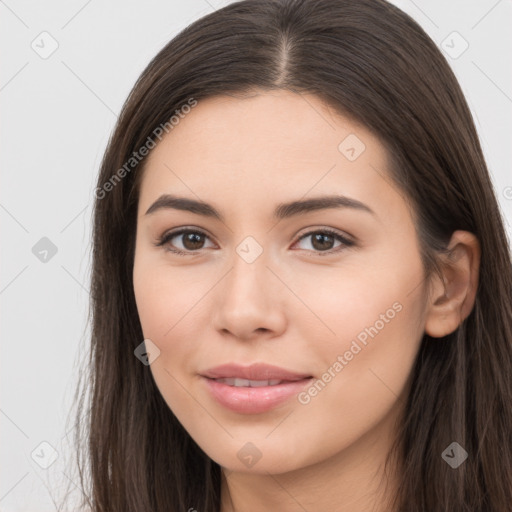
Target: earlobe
452,298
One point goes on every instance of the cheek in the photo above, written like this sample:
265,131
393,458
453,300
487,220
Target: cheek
355,302
363,379
166,298
167,305
173,306
373,317
378,330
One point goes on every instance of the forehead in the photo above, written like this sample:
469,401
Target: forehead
275,144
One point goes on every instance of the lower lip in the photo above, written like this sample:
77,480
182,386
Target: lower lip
247,400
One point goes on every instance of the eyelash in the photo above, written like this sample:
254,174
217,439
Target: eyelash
166,237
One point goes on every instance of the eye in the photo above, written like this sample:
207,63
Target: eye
192,242
322,240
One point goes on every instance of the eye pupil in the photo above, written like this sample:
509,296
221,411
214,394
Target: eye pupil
193,238
321,237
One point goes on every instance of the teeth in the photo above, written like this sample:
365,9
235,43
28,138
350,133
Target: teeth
249,383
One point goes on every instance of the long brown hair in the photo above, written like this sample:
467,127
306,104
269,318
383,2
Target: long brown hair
375,64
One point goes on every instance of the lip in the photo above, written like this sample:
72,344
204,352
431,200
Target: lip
256,371
248,400
253,400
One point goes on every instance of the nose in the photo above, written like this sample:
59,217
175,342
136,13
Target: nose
249,301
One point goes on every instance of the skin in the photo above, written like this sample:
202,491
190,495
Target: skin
291,307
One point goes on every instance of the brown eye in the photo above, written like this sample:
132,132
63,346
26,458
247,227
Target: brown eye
191,241
322,241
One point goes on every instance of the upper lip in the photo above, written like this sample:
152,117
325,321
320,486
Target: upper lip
257,371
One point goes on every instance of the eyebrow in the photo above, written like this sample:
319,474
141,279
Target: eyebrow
282,211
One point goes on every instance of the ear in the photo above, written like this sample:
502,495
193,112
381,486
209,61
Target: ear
452,299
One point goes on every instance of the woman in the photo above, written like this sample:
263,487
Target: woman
301,288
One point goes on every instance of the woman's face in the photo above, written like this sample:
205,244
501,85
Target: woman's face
274,284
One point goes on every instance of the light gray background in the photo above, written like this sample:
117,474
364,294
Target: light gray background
57,114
